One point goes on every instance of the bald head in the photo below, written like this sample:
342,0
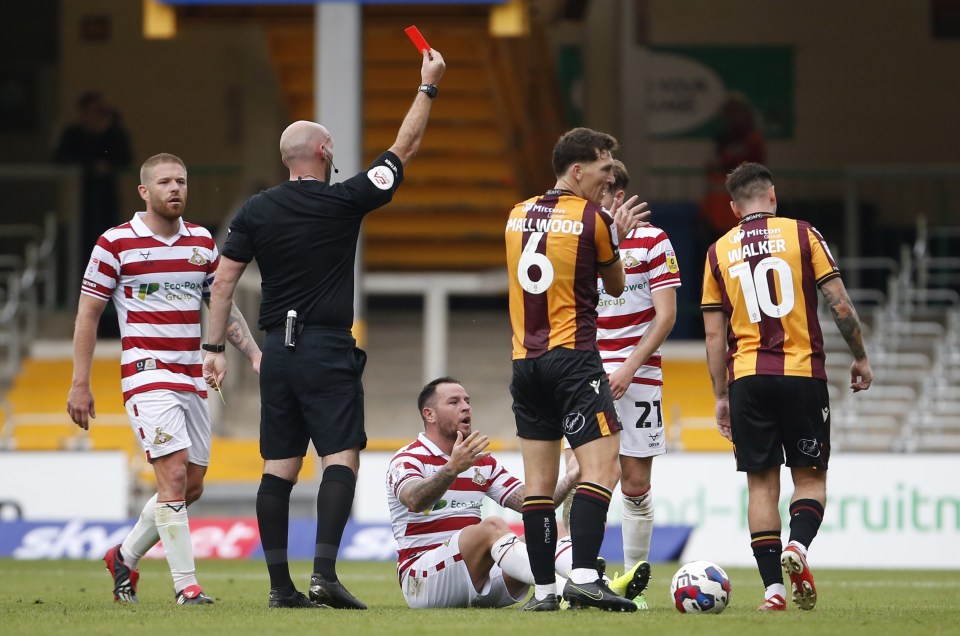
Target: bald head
301,141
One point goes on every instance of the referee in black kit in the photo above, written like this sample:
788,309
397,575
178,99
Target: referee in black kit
303,234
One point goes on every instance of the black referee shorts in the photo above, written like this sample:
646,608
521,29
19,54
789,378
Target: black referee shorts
772,416
564,392
313,393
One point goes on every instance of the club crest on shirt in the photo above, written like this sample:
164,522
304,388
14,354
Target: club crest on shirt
629,260
197,258
478,478
162,438
672,261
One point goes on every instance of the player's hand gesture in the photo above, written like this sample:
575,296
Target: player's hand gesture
722,411
629,215
80,406
467,452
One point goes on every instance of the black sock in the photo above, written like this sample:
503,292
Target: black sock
334,503
273,518
588,519
806,515
767,547
540,530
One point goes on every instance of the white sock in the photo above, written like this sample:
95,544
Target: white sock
174,529
541,592
143,536
581,576
510,553
637,528
799,546
775,589
561,583
563,557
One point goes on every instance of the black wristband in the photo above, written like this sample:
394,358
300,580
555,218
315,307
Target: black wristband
429,89
213,348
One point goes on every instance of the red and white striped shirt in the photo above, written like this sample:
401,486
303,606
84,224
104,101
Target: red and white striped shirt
650,264
417,532
157,285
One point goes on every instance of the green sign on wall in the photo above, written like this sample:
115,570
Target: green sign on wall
686,85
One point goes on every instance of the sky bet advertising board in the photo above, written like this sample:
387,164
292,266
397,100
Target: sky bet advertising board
700,502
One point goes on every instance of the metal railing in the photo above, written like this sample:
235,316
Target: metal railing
853,202
19,296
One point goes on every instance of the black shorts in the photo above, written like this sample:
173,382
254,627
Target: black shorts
776,415
313,393
563,393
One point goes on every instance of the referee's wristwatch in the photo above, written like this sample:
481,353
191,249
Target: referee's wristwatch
429,89
212,348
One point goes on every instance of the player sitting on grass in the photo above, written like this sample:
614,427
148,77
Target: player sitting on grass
448,556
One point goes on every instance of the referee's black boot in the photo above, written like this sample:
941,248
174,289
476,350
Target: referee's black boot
332,594
292,600
546,604
595,594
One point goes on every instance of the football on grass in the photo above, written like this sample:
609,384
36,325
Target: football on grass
700,587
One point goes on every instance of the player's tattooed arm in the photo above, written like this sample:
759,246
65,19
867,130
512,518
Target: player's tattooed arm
845,315
238,334
466,452
423,493
515,500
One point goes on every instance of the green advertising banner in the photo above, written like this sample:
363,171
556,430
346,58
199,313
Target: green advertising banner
686,86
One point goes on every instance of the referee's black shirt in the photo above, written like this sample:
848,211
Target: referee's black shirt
303,235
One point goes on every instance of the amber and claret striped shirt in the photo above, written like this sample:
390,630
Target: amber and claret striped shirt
556,244
764,274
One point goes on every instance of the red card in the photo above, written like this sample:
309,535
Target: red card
417,38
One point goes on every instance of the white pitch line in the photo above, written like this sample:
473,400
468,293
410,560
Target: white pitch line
921,585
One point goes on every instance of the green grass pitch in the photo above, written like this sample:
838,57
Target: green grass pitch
74,597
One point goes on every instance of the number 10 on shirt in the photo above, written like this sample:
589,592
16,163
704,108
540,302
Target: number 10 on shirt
756,289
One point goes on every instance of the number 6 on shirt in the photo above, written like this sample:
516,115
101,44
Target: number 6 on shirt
532,258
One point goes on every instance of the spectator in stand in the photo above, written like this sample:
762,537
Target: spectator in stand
98,143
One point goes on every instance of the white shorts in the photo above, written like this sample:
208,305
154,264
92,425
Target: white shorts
168,421
642,434
439,578
641,411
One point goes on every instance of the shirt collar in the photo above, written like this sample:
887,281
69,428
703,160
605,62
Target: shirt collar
140,228
433,448
754,216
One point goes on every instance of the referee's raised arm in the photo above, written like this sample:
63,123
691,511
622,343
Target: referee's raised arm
411,130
